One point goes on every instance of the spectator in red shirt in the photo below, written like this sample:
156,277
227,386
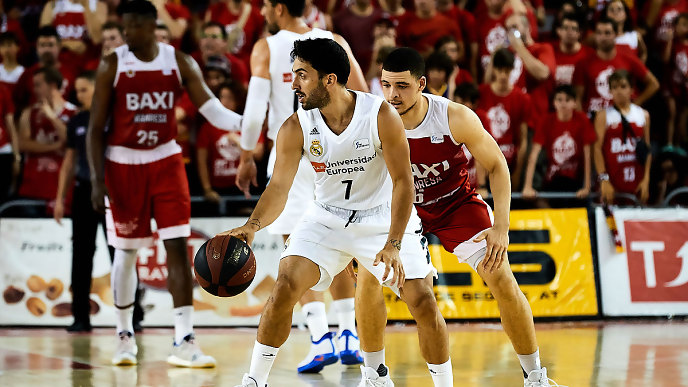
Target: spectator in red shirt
659,18
569,50
218,151
675,57
214,43
509,113
175,16
421,29
449,46
590,77
626,35
469,31
394,10
113,37
243,25
48,46
10,69
620,129
566,136
355,23
42,135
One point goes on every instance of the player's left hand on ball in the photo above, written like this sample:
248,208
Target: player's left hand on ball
497,244
389,255
246,232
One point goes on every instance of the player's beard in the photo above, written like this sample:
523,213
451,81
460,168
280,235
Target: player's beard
273,28
318,99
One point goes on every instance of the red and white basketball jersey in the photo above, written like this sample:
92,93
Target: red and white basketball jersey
438,162
625,172
144,99
69,20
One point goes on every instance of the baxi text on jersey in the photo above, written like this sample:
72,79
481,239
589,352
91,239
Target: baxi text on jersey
163,100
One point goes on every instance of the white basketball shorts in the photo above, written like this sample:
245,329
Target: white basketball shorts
331,237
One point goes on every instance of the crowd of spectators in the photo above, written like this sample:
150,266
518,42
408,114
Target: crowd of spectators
537,74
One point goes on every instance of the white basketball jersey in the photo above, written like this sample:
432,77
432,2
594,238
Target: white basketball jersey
350,170
283,102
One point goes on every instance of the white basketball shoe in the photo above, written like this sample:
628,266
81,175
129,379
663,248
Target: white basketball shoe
375,378
125,354
538,378
189,354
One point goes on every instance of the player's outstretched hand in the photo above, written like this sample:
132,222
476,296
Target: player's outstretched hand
98,193
246,173
246,232
389,255
497,244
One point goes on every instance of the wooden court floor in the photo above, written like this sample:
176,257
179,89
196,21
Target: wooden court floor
615,354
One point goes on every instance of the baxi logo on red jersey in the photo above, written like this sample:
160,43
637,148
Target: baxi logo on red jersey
163,100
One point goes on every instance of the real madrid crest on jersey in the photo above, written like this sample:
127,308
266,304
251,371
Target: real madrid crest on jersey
316,149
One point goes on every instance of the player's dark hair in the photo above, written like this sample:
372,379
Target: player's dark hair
628,23
467,91
47,32
88,75
113,25
405,59
142,8
51,75
619,75
294,7
566,89
162,26
439,61
210,24
503,59
605,20
9,37
325,55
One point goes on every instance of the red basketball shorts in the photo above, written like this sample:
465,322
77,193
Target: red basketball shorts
138,193
458,224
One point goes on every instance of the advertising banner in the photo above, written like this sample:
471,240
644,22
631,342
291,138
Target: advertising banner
550,255
650,276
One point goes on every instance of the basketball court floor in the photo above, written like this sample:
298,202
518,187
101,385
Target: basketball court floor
614,354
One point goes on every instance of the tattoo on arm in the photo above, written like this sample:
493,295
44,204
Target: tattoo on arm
396,243
255,222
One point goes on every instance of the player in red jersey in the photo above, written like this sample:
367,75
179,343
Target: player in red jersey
142,167
620,128
448,205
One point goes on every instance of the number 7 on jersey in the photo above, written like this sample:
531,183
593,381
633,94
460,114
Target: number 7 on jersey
348,183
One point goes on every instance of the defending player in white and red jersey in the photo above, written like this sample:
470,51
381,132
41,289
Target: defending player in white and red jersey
448,205
143,170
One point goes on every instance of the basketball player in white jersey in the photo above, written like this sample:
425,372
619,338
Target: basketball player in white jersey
355,143
448,205
271,85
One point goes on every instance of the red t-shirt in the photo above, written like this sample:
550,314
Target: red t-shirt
41,170
23,91
252,30
593,73
566,63
238,71
223,155
504,118
462,77
177,11
357,30
422,34
539,91
679,70
665,18
6,107
491,35
563,143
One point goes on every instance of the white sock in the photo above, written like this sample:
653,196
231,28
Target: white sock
373,359
442,374
530,362
261,362
183,324
123,283
346,315
316,319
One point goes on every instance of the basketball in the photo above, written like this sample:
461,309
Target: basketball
225,266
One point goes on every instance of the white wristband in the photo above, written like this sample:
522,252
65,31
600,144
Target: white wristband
219,116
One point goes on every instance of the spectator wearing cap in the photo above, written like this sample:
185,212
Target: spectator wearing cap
214,43
10,69
242,26
356,24
422,28
48,46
